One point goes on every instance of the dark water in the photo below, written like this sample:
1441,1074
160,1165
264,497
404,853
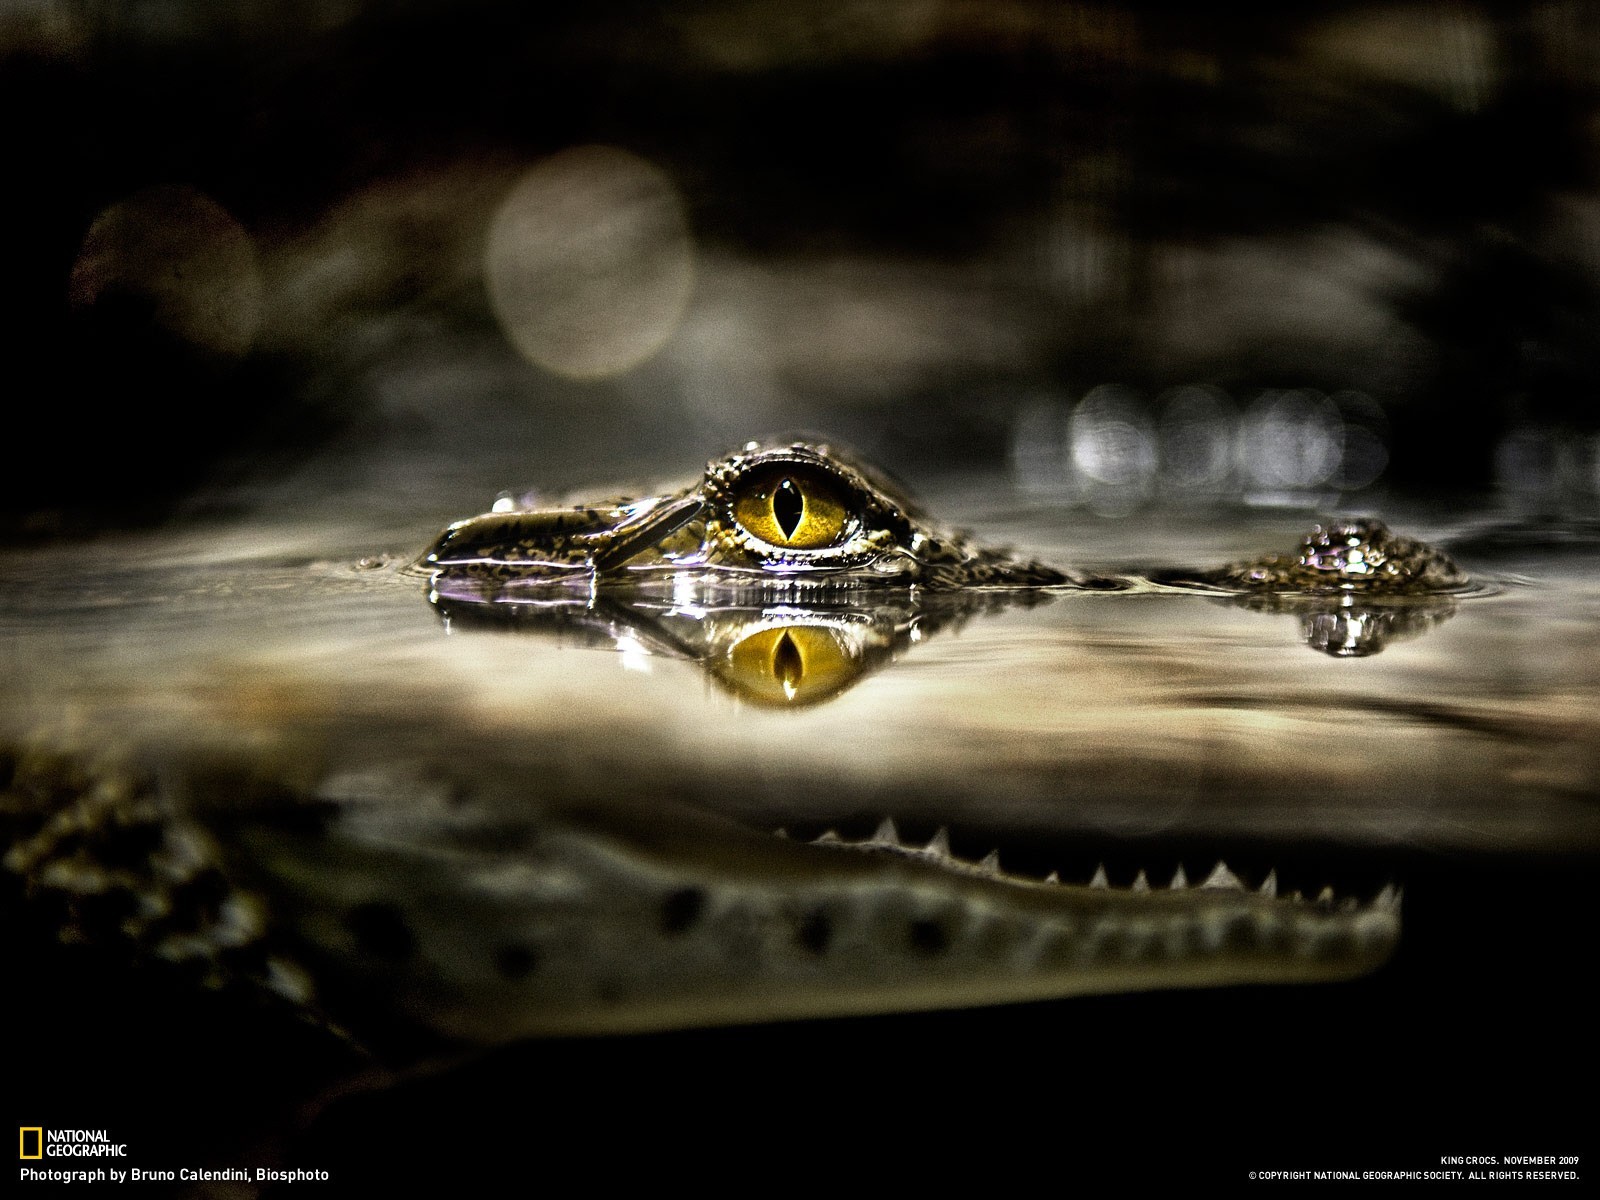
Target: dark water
265,251
1140,730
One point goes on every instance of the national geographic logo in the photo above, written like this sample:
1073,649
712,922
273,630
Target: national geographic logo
38,1142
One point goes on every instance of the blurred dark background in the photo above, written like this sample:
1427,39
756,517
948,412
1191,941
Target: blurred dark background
1130,253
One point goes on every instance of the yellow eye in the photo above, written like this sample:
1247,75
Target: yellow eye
794,664
788,506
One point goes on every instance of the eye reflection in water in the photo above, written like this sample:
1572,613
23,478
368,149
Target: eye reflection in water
775,656
789,571
794,656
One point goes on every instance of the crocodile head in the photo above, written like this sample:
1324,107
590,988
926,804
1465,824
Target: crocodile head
659,934
1354,584
794,516
1351,556
415,916
607,921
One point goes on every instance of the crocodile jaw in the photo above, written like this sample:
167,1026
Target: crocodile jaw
593,928
395,909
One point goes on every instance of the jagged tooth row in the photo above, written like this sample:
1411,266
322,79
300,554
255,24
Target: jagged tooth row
1220,878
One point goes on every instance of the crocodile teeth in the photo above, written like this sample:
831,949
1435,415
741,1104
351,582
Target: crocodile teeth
1221,877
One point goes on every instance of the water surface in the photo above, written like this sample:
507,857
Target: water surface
1142,730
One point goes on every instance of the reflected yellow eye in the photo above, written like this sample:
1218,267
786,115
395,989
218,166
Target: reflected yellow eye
794,664
789,506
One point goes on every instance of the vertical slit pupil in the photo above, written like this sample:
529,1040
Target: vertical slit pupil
788,506
788,668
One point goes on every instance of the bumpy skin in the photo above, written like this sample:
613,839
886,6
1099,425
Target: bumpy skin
478,909
729,530
869,536
415,915
1357,555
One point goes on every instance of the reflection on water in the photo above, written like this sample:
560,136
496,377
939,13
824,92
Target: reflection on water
278,697
789,570
1346,627
1147,708
799,653
784,655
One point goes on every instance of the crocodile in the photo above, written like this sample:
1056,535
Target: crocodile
425,892
415,914
797,515
807,524
807,517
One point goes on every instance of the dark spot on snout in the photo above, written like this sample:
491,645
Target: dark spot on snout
1239,933
381,931
681,909
101,914
928,936
1335,944
197,902
313,817
132,847
515,963
815,931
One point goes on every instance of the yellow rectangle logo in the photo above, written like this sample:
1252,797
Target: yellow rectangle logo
38,1141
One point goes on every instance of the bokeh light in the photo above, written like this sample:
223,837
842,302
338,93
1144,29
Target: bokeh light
1291,441
590,262
1116,450
1548,471
172,260
1039,457
1365,450
1113,449
1196,434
